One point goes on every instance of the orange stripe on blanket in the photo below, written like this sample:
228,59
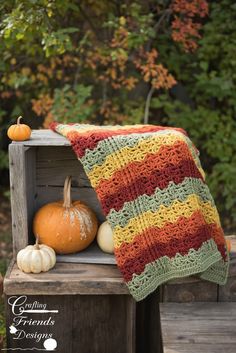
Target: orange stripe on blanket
81,141
145,167
128,256
184,229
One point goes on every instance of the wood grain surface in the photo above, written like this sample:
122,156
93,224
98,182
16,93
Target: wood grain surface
91,255
83,324
198,327
67,278
19,204
44,138
227,292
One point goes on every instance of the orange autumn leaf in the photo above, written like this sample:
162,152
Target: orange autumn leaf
42,105
186,25
155,73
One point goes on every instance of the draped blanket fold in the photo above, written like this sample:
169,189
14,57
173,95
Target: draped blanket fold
152,190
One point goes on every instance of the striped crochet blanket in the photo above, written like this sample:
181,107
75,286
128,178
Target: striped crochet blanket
151,187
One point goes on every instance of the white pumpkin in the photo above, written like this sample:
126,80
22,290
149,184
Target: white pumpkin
105,238
36,258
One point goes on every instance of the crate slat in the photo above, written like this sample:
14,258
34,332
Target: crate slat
67,278
91,255
228,291
189,289
83,324
55,164
44,138
19,204
198,327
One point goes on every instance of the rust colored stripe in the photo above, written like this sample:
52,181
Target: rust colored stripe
130,172
148,184
89,140
132,258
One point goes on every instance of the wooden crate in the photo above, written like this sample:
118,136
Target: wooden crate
96,313
38,169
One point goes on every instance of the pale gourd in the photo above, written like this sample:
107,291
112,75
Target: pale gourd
105,238
36,258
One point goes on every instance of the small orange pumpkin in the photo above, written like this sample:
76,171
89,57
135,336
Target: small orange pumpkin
18,131
65,226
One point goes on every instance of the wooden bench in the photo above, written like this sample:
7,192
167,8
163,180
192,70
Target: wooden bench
198,327
95,312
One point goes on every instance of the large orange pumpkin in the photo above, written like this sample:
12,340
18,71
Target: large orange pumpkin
18,131
65,226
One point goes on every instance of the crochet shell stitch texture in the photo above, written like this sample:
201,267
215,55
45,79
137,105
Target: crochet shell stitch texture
152,190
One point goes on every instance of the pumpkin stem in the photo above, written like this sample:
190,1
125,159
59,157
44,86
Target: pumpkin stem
18,120
36,245
67,192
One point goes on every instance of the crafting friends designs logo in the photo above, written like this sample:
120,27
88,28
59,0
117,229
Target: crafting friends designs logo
32,322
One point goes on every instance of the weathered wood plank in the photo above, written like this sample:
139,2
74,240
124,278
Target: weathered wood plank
131,324
50,153
19,211
44,138
30,175
228,291
67,278
189,289
91,255
172,311
55,173
83,324
200,348
61,330
49,142
103,324
194,325
148,332
55,164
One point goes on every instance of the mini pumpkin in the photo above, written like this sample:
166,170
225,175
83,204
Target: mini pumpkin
18,131
36,258
66,226
105,238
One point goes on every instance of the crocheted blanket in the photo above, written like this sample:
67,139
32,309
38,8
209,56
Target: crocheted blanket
151,187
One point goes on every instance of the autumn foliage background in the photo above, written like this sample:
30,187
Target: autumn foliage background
126,62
